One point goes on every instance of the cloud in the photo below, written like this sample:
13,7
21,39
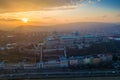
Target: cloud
98,0
36,5
104,16
8,19
118,15
30,5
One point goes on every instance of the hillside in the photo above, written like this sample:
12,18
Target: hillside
83,27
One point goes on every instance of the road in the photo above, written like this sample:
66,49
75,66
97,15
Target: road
61,74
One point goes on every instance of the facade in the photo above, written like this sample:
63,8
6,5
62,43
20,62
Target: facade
51,64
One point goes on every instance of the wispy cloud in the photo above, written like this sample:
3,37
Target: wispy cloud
104,16
36,5
8,19
118,15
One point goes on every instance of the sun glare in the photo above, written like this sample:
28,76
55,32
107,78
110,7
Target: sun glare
25,20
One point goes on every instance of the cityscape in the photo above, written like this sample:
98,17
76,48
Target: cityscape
59,40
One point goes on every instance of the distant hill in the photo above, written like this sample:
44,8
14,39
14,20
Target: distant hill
83,27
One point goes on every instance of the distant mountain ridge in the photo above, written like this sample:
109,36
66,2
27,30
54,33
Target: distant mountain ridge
83,27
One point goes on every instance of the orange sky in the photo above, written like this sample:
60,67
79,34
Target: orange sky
62,12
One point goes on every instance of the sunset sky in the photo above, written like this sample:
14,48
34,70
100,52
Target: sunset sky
51,12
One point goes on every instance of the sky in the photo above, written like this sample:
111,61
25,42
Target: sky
52,12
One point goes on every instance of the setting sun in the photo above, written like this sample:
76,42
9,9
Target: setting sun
25,20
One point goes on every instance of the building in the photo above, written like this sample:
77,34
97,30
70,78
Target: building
60,41
70,40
